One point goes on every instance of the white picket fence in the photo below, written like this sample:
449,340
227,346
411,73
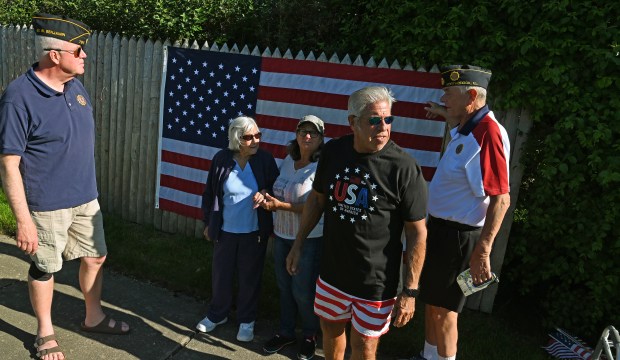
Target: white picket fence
123,78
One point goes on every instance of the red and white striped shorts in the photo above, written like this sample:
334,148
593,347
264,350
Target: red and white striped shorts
369,318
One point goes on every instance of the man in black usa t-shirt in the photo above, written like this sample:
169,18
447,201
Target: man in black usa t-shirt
368,189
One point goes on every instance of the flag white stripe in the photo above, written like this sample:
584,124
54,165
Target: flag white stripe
187,148
345,87
180,197
401,124
184,172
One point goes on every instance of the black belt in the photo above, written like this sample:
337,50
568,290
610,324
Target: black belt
452,224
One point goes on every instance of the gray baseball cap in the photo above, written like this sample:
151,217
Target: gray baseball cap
318,123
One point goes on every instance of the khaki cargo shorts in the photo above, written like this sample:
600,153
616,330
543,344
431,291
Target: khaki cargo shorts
68,233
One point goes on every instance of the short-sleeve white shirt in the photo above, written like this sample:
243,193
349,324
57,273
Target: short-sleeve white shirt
293,186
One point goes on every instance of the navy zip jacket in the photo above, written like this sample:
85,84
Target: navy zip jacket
265,171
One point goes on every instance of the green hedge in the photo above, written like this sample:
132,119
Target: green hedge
558,59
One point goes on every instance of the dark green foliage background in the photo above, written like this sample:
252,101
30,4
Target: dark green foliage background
557,59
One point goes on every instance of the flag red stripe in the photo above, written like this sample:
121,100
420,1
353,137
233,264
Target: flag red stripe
303,97
179,208
187,186
428,143
334,101
428,172
185,160
348,72
278,151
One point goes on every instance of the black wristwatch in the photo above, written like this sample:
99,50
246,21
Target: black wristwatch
411,292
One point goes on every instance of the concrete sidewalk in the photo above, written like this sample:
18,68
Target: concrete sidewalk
162,322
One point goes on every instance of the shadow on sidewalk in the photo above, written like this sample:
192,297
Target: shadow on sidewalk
160,321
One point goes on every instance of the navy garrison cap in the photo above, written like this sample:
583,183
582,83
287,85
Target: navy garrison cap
465,75
61,27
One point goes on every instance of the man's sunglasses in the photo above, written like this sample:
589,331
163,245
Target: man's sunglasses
256,136
76,53
376,120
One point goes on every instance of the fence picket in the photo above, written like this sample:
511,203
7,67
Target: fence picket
121,106
97,98
359,61
12,43
145,212
135,132
128,120
113,59
153,134
4,66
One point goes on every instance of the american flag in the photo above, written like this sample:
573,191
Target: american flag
203,90
564,346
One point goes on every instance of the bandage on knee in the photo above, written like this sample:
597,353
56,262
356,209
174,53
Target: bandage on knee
37,274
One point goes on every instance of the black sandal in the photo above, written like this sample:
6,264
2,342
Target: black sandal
38,342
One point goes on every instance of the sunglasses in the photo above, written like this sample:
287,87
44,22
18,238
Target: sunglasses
376,120
76,53
303,133
256,136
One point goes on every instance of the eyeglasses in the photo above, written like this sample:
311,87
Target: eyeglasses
256,136
303,133
76,53
376,120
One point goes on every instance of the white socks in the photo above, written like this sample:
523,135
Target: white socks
430,351
447,358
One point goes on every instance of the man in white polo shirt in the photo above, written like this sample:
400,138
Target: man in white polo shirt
468,198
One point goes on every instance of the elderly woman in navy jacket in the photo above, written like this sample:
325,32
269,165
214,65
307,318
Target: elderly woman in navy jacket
236,185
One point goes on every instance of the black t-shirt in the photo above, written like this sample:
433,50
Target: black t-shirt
368,198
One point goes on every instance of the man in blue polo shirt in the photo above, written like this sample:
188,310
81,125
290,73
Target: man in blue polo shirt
47,135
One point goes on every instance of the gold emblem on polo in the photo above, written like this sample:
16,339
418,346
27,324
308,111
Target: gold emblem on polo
454,76
459,148
81,100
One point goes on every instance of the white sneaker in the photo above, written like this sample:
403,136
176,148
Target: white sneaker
205,325
246,332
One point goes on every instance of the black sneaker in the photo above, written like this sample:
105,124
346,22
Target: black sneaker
417,357
307,348
276,344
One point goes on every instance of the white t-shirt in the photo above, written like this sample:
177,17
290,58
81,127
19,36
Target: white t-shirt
293,186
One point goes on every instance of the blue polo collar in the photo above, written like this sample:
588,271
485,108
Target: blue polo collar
473,122
41,86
